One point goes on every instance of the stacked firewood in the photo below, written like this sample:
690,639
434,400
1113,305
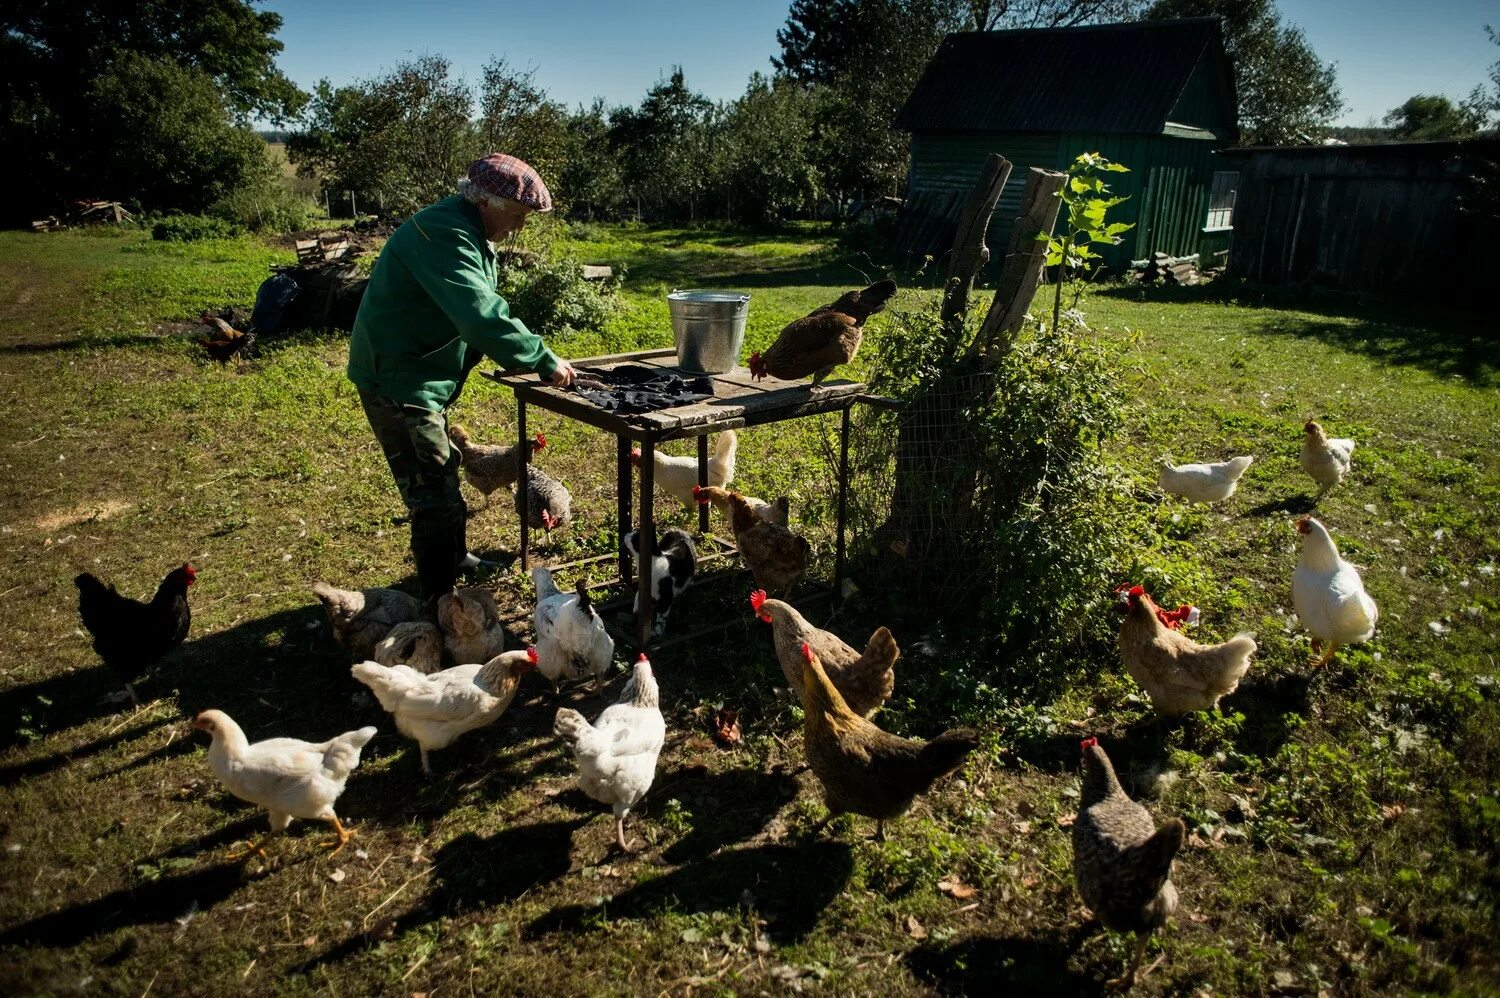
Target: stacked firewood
1181,270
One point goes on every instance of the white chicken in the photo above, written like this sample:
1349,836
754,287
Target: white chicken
434,710
571,639
1329,595
1202,482
617,753
471,625
1325,459
288,777
676,476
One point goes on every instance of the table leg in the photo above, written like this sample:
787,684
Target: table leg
647,545
523,496
622,508
838,549
703,480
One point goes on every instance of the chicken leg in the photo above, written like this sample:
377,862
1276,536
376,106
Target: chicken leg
252,849
1127,980
620,834
341,836
1327,656
426,766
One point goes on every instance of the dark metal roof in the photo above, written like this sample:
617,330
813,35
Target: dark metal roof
1097,78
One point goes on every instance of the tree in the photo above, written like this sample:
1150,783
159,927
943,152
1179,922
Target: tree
662,145
862,57
1286,93
987,15
516,117
591,172
60,63
769,169
400,140
1427,117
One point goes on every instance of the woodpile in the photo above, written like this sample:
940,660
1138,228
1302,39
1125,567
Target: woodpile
85,213
1181,270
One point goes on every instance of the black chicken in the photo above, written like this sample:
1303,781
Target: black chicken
130,635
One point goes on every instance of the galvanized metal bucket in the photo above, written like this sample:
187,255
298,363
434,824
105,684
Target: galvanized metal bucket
709,327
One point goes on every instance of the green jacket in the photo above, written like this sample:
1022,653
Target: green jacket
431,312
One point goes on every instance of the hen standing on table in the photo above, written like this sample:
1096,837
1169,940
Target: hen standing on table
431,311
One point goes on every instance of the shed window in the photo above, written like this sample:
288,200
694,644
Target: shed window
1221,200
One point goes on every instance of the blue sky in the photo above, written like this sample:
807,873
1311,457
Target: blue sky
1386,50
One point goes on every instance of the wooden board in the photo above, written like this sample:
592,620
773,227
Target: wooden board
738,399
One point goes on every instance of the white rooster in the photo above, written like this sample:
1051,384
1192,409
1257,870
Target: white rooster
571,639
288,777
1325,459
433,710
1330,597
617,753
1202,482
676,476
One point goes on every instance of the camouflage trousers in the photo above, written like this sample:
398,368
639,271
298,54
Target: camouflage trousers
424,464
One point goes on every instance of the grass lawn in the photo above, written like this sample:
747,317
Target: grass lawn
1344,824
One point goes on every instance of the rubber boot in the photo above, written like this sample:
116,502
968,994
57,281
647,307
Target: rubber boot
436,549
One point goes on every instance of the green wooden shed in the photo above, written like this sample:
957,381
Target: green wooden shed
1157,96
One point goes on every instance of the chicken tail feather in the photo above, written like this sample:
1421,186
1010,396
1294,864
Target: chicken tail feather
946,752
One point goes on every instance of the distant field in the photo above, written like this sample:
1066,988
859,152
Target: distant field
1344,824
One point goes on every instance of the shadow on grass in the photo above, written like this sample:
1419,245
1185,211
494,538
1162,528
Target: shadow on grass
470,873
727,808
1448,342
146,903
787,885
11,775
1002,965
281,674
1293,505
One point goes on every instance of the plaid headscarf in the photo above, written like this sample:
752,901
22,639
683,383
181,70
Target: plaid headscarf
507,177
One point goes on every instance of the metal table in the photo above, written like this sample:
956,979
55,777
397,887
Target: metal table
738,402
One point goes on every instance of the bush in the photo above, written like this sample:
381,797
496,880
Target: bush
553,297
191,228
990,505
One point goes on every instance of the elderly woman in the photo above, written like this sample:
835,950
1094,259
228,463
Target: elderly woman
430,313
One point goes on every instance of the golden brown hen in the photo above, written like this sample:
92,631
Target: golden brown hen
863,769
776,557
224,342
1178,673
865,680
822,340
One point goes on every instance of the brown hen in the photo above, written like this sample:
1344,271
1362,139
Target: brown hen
362,619
776,557
1178,673
225,342
864,679
1122,861
822,340
471,625
863,769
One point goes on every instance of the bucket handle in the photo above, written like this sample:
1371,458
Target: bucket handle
743,298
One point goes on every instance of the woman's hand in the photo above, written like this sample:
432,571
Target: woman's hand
563,376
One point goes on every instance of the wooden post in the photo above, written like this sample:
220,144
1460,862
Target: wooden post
969,250
1023,262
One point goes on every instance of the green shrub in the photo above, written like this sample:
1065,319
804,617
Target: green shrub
552,296
191,228
1001,516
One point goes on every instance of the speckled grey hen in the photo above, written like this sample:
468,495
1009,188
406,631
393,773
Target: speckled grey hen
1122,861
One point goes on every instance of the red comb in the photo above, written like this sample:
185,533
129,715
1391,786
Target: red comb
531,655
807,651
541,441
1088,743
643,658
757,600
